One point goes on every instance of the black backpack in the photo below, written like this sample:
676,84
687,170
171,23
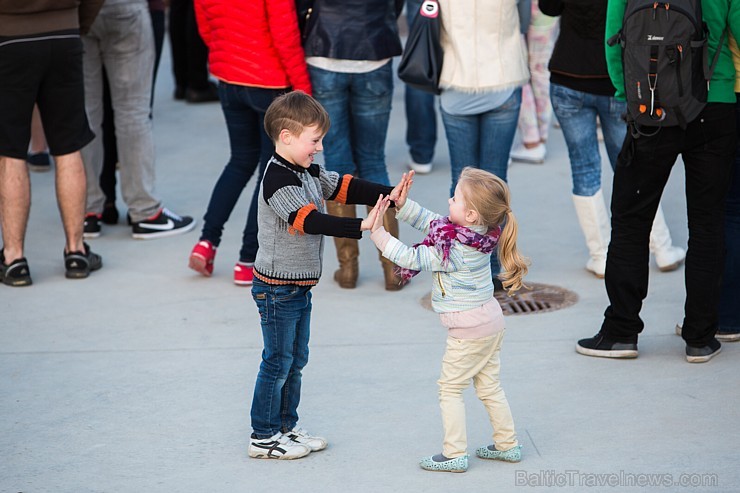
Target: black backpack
664,57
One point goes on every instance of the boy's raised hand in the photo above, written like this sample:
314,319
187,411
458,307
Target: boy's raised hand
401,191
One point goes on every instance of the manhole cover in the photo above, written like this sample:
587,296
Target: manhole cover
537,299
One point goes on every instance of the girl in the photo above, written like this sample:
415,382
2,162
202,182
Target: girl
457,250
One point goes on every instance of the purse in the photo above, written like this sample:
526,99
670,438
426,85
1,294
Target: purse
421,62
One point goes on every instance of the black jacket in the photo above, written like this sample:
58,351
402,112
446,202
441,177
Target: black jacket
351,29
578,60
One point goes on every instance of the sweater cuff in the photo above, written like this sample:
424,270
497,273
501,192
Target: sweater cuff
381,238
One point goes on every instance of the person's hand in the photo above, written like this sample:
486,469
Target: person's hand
380,209
401,191
374,218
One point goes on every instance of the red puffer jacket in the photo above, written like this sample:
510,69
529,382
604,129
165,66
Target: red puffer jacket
254,43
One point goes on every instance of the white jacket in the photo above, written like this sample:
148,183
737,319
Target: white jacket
482,44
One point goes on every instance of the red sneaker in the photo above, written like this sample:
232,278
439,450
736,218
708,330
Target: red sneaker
202,257
243,273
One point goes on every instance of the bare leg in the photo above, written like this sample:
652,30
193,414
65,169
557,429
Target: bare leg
71,194
38,138
15,203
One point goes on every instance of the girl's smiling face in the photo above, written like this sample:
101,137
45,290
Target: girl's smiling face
300,150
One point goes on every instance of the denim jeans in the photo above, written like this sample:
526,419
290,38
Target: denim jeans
421,117
285,316
244,110
121,41
482,141
708,146
576,112
359,106
729,309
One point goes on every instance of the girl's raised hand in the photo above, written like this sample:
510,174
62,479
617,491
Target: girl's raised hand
381,207
401,191
375,216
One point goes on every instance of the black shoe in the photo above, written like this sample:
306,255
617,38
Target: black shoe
78,265
110,213
165,223
179,93
16,274
703,354
599,346
39,162
91,229
207,95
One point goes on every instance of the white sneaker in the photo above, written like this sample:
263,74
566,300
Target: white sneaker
299,435
278,446
670,258
535,155
421,168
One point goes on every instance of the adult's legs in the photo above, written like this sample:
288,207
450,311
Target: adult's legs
15,204
178,44
729,310
498,128
639,178
576,111
243,110
421,117
71,192
127,49
708,156
370,109
463,137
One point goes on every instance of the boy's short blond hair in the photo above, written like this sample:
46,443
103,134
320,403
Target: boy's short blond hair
295,111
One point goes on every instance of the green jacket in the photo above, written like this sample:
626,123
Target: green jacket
717,15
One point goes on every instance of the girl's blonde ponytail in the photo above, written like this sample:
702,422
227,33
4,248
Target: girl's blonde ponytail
514,263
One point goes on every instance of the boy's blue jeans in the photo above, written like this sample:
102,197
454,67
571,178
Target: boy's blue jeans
285,316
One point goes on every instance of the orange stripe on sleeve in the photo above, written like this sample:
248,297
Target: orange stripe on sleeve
343,187
300,217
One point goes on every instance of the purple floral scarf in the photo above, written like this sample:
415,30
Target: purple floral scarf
443,234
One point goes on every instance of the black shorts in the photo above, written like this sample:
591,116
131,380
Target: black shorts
47,70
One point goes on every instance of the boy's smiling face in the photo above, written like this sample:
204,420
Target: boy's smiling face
300,149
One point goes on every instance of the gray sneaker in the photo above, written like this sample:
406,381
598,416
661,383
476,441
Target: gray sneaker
703,354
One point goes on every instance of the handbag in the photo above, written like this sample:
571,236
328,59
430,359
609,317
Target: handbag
421,62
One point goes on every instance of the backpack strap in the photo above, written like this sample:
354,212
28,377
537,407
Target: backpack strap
709,71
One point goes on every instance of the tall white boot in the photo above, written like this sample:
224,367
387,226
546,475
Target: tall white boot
667,256
594,220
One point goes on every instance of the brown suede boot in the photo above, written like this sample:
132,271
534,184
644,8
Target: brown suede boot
392,281
347,248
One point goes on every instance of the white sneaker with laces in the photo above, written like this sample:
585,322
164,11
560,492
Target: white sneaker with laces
299,435
278,446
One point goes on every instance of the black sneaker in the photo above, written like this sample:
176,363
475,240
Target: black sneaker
599,346
78,265
703,354
164,223
39,162
16,274
92,226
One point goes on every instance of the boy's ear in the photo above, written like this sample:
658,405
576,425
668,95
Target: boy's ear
285,136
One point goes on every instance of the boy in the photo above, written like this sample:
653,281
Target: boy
291,222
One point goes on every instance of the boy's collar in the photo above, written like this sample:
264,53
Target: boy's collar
288,164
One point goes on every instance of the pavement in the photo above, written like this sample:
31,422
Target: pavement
140,377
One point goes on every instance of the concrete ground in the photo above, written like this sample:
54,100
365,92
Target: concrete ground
140,378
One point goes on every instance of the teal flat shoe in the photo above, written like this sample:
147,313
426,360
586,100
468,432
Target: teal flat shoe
458,464
514,454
